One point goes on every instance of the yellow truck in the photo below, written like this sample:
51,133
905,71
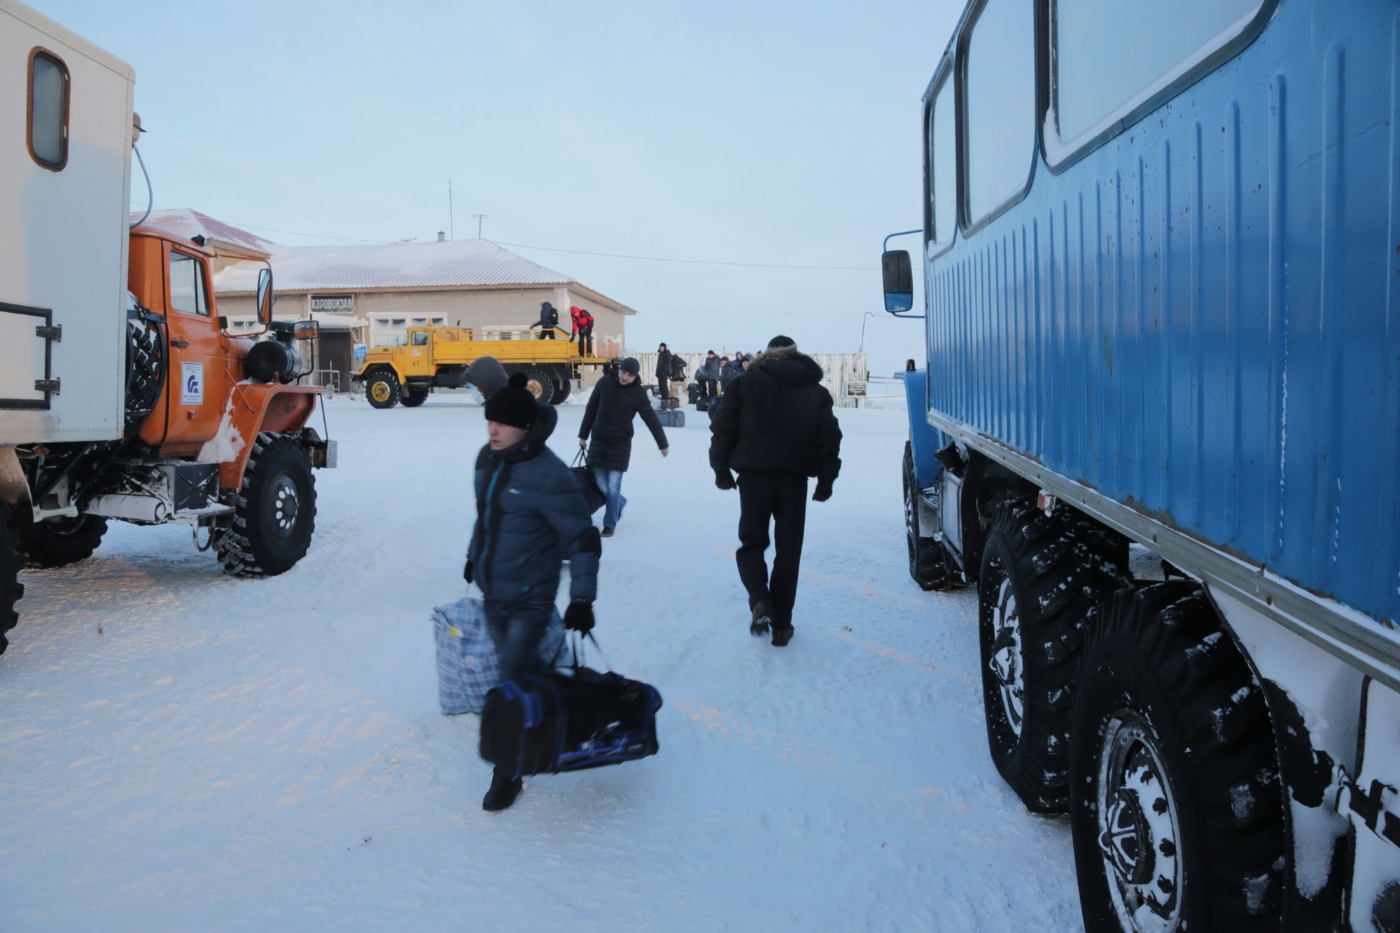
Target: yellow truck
438,357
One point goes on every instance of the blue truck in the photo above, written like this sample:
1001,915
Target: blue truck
1159,431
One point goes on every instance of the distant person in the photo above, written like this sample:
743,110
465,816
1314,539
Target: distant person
530,517
775,428
611,408
549,319
708,376
663,371
583,330
908,366
726,372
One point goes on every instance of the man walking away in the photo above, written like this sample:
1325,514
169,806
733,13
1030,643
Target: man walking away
530,518
663,371
549,319
611,408
775,428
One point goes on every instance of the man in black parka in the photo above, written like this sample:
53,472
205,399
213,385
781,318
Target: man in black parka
663,371
775,427
615,401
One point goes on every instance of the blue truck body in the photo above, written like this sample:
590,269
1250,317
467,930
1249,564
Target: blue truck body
1186,327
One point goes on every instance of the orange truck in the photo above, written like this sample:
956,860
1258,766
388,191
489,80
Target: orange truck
122,394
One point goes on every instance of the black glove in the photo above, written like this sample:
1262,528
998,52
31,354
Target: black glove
822,492
579,616
467,571
724,479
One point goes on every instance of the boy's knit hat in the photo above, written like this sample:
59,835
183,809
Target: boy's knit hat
513,405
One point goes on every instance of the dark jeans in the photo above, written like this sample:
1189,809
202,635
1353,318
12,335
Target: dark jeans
662,383
709,387
585,341
517,628
781,497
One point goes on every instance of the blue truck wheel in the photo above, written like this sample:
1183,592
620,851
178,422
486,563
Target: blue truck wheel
929,564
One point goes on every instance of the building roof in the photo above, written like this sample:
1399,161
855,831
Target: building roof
406,264
219,236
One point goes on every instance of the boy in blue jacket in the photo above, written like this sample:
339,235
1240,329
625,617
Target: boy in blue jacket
530,518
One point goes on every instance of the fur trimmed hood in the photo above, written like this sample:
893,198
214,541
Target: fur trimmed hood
789,365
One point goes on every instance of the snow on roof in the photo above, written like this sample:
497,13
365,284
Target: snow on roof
406,264
187,223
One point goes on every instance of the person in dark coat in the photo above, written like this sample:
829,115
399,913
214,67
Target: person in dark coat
549,319
726,372
663,371
611,408
530,518
708,376
775,427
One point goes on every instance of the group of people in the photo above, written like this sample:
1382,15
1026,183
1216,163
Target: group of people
581,324
776,430
712,376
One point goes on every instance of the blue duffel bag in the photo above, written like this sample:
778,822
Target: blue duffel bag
467,666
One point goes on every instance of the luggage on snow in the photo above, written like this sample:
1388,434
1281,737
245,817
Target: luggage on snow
671,418
467,666
567,720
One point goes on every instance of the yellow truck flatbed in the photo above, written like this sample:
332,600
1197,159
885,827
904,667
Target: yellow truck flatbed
438,357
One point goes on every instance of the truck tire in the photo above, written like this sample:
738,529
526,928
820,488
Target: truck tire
382,390
10,587
413,396
58,542
929,564
1176,805
275,512
562,387
1041,578
540,385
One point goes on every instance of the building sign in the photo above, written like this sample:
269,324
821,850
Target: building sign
855,390
340,304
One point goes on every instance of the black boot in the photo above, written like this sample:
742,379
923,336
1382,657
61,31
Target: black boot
762,615
782,633
503,791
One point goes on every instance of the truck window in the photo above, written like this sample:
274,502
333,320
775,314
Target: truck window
48,110
942,164
1110,57
999,106
420,338
187,292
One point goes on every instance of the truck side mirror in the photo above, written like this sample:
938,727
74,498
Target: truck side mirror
265,296
899,280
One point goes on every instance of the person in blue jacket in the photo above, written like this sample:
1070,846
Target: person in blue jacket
530,518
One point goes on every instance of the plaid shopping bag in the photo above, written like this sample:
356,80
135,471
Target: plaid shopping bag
466,657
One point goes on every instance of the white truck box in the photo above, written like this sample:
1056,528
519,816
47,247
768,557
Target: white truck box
63,240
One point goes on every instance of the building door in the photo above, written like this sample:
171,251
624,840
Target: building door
336,350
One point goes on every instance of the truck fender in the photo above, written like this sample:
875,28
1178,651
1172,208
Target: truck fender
254,408
924,438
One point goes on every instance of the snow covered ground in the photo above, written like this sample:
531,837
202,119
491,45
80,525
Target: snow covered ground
187,751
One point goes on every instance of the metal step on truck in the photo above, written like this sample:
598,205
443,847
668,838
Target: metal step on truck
440,357
122,395
1160,261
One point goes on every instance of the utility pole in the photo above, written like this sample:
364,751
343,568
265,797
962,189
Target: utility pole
452,230
479,219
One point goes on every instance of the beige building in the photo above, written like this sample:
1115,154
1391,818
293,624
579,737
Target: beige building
369,295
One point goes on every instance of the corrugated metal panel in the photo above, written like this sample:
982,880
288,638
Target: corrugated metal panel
1198,319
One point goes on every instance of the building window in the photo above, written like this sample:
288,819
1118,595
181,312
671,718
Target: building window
48,110
1111,57
187,291
999,106
943,163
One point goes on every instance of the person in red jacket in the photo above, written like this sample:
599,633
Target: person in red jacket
583,329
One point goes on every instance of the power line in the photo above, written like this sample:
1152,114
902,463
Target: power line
701,262
651,307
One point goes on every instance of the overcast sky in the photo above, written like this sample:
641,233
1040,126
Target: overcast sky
781,134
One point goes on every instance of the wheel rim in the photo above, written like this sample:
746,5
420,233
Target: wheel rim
1006,662
379,391
536,388
910,517
283,506
65,526
1138,828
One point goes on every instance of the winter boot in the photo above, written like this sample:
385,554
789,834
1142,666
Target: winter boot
608,531
503,791
782,633
762,616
